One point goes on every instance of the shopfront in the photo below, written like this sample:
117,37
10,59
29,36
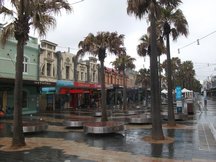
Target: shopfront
47,98
30,96
84,95
63,97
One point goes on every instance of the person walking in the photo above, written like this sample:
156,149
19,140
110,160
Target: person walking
205,103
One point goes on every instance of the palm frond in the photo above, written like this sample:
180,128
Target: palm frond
6,11
7,32
42,23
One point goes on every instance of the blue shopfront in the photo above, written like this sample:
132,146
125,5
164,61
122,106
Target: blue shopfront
52,98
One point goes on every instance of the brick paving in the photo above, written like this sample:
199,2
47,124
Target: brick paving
194,141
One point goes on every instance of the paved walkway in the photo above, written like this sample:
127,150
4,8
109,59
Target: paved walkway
194,142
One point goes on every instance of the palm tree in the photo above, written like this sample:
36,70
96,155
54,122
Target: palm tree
144,49
143,77
174,22
123,63
175,64
187,73
98,45
28,13
153,8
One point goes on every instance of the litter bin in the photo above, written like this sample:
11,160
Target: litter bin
190,107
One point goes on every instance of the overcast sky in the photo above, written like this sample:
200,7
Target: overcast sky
111,15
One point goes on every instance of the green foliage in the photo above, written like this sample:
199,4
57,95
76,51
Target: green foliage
183,74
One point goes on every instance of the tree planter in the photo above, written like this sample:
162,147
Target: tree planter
77,122
178,116
99,113
104,127
33,126
141,119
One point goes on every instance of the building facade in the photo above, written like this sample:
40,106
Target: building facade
30,76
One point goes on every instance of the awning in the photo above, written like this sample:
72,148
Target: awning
65,85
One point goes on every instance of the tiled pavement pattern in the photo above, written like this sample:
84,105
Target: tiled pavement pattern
193,143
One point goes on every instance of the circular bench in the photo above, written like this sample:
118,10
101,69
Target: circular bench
179,116
103,127
33,126
76,122
142,119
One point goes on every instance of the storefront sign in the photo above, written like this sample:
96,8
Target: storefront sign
86,85
178,93
64,83
43,83
48,90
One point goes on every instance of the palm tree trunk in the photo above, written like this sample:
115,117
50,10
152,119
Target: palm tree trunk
124,92
171,116
18,136
157,132
102,56
159,72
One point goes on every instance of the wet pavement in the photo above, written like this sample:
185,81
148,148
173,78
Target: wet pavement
194,141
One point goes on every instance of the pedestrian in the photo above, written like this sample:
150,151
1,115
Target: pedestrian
200,106
205,103
2,114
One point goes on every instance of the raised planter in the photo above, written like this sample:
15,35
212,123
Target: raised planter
33,126
126,113
131,112
99,113
178,116
76,122
142,119
104,127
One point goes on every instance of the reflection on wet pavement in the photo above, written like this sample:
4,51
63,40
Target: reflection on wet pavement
192,141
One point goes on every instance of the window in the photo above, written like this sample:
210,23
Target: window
54,72
67,72
25,99
25,65
43,70
49,54
49,46
48,69
81,76
93,79
85,76
78,75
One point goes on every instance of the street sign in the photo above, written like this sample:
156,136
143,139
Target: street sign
178,93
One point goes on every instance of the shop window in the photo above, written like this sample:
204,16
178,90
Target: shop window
25,99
